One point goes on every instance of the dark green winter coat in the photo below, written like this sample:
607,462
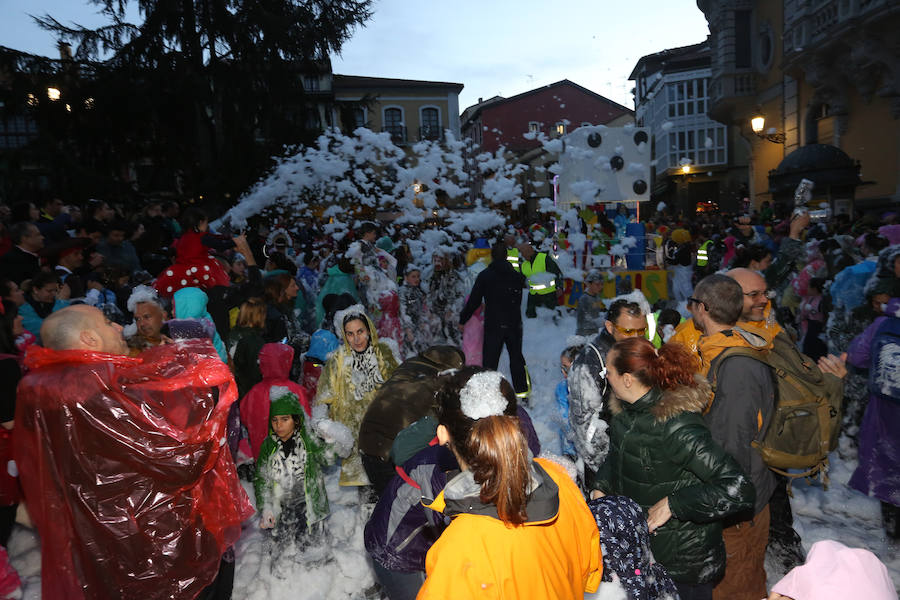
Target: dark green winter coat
660,446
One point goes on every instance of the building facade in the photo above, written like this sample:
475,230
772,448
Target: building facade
697,163
409,110
823,82
517,123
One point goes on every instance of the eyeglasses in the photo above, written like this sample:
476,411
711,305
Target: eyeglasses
626,331
693,300
757,293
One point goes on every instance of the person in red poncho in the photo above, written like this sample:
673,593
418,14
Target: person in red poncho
123,463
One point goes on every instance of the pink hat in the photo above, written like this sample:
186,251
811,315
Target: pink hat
835,572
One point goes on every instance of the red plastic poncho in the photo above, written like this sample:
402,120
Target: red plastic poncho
124,470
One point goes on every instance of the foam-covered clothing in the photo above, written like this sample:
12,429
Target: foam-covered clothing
275,365
587,394
347,385
590,314
190,303
193,267
289,474
660,447
878,471
554,554
414,317
124,472
446,293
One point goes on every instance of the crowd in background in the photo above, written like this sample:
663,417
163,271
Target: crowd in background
323,335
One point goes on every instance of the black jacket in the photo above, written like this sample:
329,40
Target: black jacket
500,287
18,265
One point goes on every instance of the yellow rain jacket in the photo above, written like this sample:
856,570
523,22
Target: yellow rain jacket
337,390
555,554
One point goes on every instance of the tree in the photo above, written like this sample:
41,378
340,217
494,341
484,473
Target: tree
211,88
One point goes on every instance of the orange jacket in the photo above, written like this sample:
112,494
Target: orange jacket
554,556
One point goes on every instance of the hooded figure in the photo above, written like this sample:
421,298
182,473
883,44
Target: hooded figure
275,365
289,486
190,303
349,381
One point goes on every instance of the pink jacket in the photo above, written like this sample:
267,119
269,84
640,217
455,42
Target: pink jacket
275,365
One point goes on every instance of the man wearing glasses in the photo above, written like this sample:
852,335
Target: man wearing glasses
742,406
588,410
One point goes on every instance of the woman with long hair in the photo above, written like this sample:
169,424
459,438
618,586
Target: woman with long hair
282,320
663,457
520,527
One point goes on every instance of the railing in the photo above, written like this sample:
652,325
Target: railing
729,85
431,132
398,133
821,21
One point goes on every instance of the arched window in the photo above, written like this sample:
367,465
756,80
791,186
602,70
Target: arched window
430,123
393,124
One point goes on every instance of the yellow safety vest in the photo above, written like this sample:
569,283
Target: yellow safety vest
530,269
703,254
512,255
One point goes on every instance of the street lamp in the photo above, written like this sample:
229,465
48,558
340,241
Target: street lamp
53,93
686,169
758,125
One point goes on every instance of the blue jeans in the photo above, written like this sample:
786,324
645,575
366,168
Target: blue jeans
399,585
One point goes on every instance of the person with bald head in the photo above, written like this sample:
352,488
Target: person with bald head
121,462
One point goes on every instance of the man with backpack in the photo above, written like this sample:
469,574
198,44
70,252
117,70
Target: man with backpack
742,407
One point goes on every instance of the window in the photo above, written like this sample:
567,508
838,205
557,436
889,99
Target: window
310,83
534,127
393,124
742,56
701,145
560,128
687,98
359,117
430,120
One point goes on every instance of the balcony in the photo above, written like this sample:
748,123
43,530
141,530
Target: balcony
823,22
434,133
398,133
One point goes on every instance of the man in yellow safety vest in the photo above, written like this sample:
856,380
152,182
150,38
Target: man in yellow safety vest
544,279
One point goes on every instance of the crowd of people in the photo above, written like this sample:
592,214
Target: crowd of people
149,363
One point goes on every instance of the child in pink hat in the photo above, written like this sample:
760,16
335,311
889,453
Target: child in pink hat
835,572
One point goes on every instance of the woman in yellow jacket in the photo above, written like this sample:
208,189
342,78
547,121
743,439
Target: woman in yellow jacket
520,527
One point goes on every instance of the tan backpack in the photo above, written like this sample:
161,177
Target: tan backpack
808,409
